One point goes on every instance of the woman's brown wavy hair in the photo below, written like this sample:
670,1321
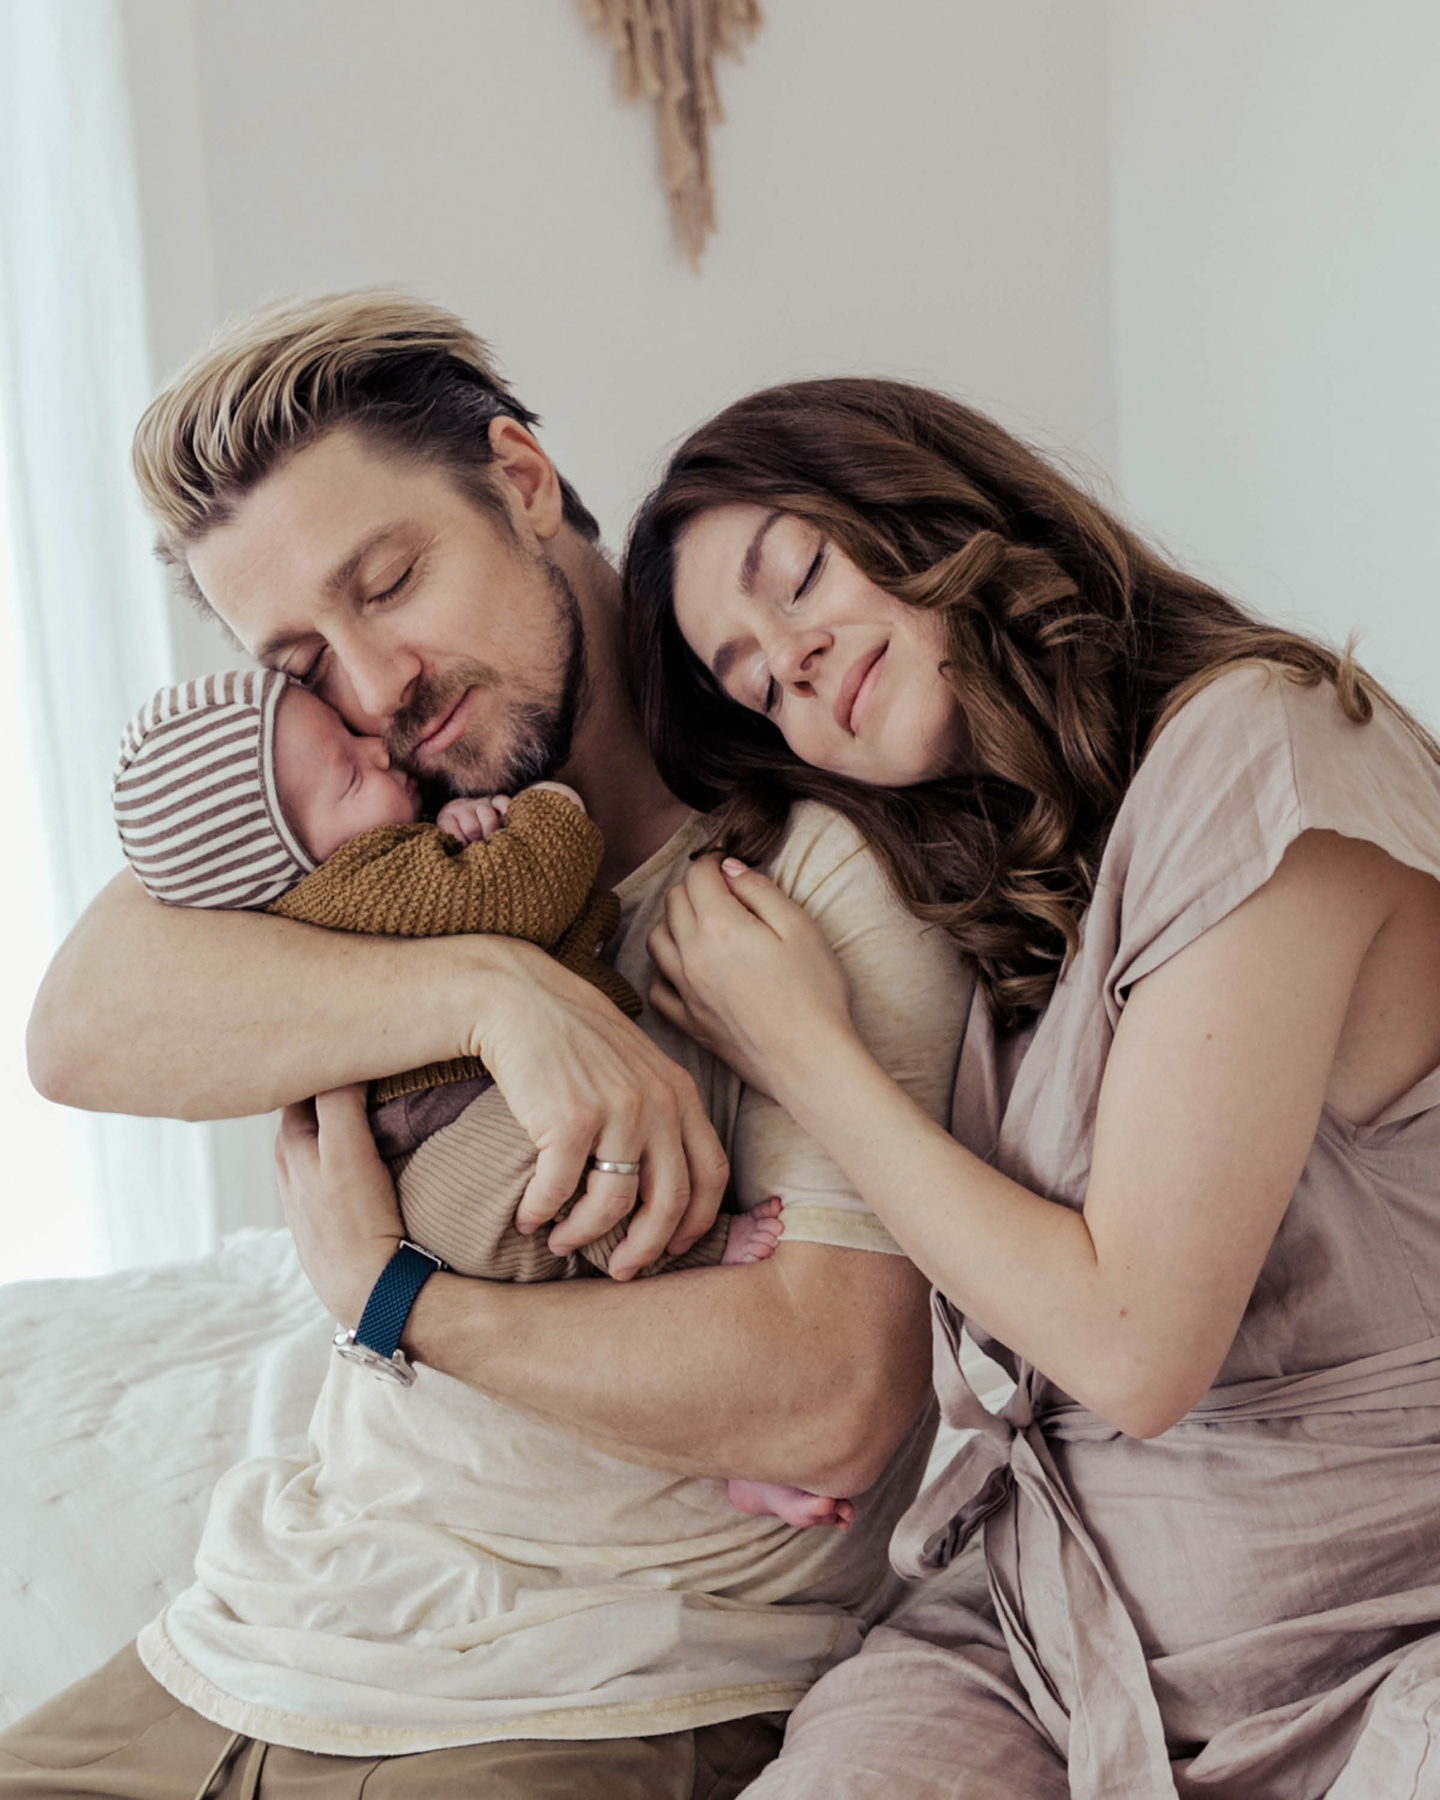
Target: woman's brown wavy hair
1069,643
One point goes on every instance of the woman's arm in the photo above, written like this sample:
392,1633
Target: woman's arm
1210,1102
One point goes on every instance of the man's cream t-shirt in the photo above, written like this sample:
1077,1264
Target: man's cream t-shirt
442,1570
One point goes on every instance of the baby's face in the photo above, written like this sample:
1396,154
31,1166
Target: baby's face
332,784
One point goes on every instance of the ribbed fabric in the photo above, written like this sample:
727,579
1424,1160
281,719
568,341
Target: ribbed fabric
458,1194
194,794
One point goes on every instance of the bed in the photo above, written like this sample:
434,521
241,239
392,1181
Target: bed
122,1399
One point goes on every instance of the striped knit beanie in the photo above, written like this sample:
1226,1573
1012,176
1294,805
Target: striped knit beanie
195,799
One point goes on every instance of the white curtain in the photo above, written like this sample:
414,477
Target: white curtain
88,599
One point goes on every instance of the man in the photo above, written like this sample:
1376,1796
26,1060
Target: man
518,1575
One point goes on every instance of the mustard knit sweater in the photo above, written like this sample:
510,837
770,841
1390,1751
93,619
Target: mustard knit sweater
534,879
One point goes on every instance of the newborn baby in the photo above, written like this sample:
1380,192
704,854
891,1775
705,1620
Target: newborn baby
248,791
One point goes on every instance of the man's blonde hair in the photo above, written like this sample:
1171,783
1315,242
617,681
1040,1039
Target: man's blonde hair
409,376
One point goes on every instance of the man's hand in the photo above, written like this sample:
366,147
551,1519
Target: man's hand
338,1197
584,1081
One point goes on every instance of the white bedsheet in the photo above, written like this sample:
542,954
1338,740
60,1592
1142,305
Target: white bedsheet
122,1399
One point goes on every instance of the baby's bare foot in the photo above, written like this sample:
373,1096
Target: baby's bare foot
754,1235
793,1505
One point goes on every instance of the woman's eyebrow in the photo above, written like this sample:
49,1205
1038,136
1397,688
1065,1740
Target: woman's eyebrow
724,657
749,574
750,562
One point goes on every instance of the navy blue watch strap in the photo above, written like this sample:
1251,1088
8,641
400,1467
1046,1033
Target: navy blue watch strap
391,1298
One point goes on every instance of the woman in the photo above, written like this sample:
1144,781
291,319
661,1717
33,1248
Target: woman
1194,1205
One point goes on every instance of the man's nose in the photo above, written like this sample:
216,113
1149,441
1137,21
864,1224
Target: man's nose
372,683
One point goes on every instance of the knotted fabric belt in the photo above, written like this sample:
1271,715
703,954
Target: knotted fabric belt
1112,1735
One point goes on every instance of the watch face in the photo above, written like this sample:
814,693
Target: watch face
391,1368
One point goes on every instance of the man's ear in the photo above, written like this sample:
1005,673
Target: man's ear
529,476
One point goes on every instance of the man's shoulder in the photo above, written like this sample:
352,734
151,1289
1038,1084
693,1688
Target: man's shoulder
819,843
663,866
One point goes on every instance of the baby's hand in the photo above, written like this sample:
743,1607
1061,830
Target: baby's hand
554,787
475,818
470,820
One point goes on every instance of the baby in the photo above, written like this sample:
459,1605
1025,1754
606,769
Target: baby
245,790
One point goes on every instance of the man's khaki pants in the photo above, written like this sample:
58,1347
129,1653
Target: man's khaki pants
120,1735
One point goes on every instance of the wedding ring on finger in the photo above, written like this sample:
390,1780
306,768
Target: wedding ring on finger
601,1167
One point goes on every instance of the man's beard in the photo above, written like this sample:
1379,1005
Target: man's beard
536,735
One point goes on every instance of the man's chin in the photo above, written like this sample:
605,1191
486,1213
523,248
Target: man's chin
469,770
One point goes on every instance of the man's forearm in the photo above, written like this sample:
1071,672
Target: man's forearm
205,1015
808,1369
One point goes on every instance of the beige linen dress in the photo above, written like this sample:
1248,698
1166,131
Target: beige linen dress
1249,1604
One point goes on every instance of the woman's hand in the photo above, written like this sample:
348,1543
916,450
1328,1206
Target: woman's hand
339,1199
746,972
584,1082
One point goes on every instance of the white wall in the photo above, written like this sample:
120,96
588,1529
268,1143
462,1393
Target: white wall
923,196
1276,175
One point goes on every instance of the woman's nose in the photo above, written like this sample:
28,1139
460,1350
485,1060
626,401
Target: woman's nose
795,655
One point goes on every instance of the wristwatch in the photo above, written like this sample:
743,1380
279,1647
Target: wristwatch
375,1341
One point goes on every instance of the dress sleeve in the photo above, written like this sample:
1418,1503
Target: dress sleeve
529,880
1244,768
909,995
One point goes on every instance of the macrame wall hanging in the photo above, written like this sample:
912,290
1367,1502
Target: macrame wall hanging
667,49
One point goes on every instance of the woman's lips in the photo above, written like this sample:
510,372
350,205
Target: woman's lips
443,734
858,689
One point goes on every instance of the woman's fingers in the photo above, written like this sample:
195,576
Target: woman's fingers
665,1000
679,906
665,953
712,884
